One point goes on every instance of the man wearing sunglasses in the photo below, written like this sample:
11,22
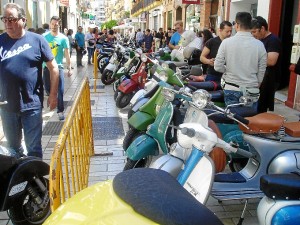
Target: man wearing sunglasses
22,54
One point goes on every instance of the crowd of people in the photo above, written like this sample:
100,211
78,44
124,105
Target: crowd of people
33,62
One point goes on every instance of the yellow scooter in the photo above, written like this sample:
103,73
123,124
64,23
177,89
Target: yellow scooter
139,196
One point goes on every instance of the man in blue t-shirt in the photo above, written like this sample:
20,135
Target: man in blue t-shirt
59,45
80,41
21,84
176,37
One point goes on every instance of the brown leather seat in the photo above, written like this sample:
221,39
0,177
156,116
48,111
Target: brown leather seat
292,128
263,123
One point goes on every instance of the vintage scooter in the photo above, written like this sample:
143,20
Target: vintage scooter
120,56
137,81
281,205
274,149
156,139
24,188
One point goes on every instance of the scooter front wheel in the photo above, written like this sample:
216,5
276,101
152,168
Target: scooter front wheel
27,211
107,77
130,136
123,100
142,163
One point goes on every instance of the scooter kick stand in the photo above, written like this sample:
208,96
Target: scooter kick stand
243,213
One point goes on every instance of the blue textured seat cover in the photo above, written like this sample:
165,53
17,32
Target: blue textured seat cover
158,196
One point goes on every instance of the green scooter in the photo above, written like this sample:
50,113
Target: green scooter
146,114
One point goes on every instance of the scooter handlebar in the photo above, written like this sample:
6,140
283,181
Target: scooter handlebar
240,118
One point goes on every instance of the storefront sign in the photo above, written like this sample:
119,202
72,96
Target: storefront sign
64,3
191,2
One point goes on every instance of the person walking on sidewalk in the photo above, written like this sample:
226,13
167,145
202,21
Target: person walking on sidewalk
59,45
21,82
80,45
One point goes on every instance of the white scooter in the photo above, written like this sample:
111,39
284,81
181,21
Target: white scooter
270,153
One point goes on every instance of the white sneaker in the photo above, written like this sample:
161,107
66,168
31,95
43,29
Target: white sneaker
61,116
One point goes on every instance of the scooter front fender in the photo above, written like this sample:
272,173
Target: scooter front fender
128,86
139,104
140,120
168,163
111,67
96,204
140,94
142,147
19,178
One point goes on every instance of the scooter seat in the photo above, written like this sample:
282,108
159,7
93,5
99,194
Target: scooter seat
281,186
207,85
263,123
7,162
156,195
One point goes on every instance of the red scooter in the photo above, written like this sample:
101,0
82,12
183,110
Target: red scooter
129,87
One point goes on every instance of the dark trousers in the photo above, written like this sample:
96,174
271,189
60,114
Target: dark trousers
79,56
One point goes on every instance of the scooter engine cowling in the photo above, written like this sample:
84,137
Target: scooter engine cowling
288,161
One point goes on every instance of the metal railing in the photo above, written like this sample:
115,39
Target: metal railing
70,161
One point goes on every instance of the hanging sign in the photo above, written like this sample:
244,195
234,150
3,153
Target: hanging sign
191,2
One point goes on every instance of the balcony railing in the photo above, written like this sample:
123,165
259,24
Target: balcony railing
142,4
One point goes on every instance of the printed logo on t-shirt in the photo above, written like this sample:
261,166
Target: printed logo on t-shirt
54,48
11,53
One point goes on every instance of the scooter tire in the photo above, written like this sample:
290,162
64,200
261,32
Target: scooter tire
130,113
123,100
107,77
130,136
116,94
21,212
102,63
142,163
237,164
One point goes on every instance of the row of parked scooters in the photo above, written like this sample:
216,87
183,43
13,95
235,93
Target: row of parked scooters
186,137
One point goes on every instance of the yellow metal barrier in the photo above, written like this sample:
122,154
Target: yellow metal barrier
95,70
70,161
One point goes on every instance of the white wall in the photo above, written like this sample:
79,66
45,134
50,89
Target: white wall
235,7
263,8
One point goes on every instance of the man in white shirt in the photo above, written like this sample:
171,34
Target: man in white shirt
91,41
242,59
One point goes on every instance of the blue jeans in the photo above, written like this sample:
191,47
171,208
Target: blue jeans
233,97
61,83
32,122
90,54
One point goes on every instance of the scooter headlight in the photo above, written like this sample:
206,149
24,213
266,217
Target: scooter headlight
200,98
168,94
163,76
144,58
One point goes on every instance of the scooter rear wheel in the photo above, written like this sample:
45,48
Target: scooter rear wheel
107,77
26,211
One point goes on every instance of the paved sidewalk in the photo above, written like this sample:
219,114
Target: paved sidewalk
110,125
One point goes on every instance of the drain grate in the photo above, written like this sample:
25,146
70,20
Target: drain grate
107,128
98,86
53,128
